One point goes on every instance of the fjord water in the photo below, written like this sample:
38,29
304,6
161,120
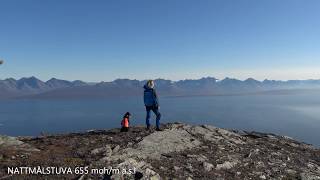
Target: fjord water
294,115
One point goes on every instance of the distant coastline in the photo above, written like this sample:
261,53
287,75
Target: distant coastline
33,88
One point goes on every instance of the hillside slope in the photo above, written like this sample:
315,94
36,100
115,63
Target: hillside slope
179,151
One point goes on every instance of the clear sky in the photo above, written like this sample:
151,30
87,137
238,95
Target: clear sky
95,40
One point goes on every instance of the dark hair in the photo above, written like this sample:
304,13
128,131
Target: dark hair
126,115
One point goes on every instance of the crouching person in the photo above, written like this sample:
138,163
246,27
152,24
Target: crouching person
125,122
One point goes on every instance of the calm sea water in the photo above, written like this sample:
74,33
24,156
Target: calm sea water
296,115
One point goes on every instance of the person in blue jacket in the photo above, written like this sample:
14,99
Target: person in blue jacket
151,102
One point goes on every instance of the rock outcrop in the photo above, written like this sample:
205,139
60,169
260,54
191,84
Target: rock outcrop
180,151
8,142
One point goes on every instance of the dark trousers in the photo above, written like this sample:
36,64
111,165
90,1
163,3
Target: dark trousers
155,109
124,129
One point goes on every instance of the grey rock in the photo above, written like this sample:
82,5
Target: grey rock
151,174
14,143
207,166
215,134
201,158
226,165
262,177
176,168
106,151
190,168
6,141
183,151
116,149
192,155
291,171
309,176
162,142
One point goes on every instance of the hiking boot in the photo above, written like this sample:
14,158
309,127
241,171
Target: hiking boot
148,128
158,129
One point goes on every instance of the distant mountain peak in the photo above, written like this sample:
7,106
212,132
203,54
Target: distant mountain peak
122,87
251,79
53,79
209,78
31,84
79,83
227,79
10,79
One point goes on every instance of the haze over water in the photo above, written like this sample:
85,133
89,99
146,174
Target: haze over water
294,115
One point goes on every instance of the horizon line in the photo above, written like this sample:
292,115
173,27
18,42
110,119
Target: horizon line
159,78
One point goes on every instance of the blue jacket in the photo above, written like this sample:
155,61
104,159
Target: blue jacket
150,96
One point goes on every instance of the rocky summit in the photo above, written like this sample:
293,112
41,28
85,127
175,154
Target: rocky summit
180,151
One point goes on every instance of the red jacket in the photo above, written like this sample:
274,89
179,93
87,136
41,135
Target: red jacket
125,122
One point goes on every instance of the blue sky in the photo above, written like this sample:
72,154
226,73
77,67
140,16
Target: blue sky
173,39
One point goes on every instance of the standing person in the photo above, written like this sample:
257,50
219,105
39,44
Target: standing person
152,103
125,122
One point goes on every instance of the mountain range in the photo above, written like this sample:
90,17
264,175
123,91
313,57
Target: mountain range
55,88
